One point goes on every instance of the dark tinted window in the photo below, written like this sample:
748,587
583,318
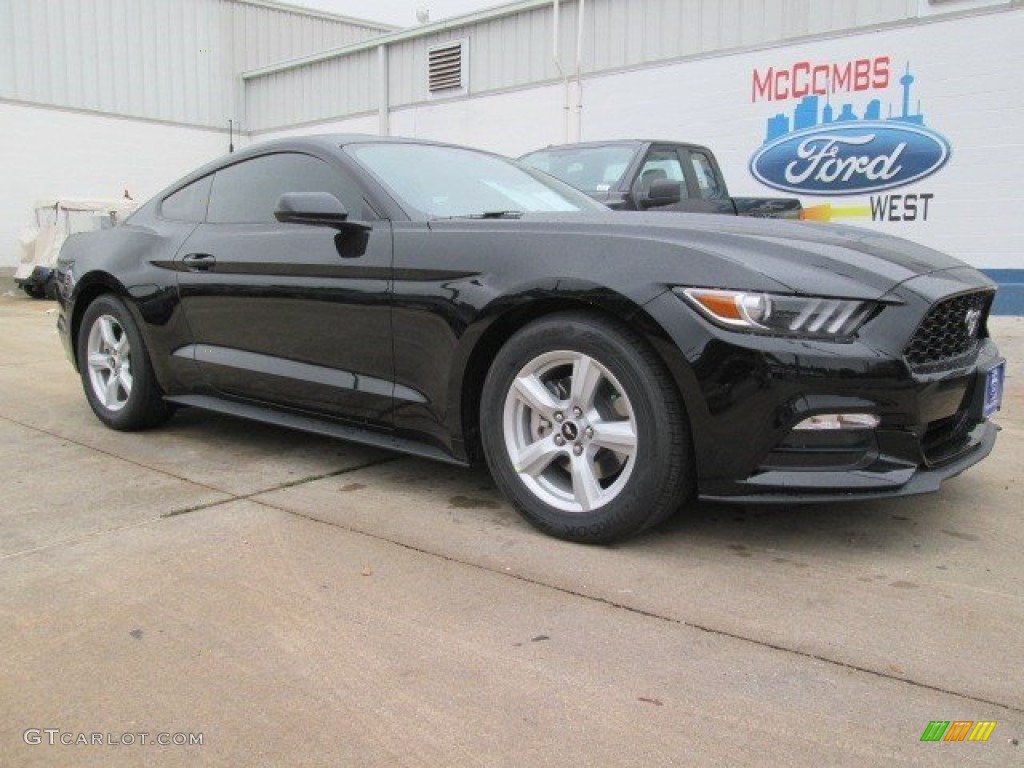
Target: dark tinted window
707,181
188,203
247,193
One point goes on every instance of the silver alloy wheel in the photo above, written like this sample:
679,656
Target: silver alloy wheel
108,353
570,431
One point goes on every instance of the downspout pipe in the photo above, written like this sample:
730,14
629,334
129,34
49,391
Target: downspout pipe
577,109
383,94
556,55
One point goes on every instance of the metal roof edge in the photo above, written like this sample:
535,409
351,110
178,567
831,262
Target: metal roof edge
500,11
302,10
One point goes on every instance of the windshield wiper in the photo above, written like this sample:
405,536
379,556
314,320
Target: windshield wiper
487,215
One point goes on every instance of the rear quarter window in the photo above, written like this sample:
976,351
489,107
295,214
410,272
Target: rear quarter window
188,203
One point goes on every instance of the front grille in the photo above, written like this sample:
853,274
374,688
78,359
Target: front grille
946,338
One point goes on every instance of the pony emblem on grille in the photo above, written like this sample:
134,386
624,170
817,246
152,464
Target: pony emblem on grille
971,319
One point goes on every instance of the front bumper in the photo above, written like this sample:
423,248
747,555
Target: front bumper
745,393
882,479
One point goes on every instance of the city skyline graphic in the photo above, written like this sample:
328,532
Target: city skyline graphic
807,114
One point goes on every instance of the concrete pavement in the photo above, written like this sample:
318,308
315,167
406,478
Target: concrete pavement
301,601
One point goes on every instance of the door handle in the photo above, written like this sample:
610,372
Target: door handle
199,262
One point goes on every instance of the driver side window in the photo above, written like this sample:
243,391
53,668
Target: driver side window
247,193
660,164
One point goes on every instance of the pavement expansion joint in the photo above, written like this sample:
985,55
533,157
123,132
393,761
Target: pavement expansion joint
654,615
87,446
232,497
281,487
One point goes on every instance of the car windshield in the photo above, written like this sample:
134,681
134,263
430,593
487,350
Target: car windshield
589,169
451,182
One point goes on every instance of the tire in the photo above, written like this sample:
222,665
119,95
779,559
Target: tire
584,430
50,290
115,368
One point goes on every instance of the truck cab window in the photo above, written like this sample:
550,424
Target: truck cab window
660,164
707,180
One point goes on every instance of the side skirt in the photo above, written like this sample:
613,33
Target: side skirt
315,426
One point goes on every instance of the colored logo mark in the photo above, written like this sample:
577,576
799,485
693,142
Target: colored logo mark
827,212
850,159
820,152
958,730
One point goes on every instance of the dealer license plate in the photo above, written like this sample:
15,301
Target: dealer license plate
993,390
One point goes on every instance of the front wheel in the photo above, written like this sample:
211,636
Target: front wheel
116,372
584,430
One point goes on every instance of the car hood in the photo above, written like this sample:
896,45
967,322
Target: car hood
820,259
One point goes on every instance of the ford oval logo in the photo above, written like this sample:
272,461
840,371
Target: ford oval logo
850,159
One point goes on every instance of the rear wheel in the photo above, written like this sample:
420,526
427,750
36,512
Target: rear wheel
116,372
584,430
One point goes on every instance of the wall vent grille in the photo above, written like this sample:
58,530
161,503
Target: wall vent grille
445,67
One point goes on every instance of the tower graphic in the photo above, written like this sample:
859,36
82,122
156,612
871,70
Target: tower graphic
906,81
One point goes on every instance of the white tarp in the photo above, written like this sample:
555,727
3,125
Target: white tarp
56,218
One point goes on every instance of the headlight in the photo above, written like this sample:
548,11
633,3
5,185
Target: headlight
806,316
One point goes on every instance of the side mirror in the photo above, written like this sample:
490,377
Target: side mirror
663,192
316,208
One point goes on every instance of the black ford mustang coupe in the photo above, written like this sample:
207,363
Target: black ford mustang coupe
455,304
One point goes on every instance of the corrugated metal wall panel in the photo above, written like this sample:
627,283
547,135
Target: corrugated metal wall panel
313,92
265,35
503,52
516,50
624,33
174,60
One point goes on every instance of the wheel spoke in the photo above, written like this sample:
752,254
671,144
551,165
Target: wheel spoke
585,378
107,332
99,361
536,457
531,390
125,377
585,487
110,391
617,436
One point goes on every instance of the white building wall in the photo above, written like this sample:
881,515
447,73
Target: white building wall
508,123
493,123
964,80
960,69
51,153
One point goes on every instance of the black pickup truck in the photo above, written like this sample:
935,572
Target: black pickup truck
636,175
